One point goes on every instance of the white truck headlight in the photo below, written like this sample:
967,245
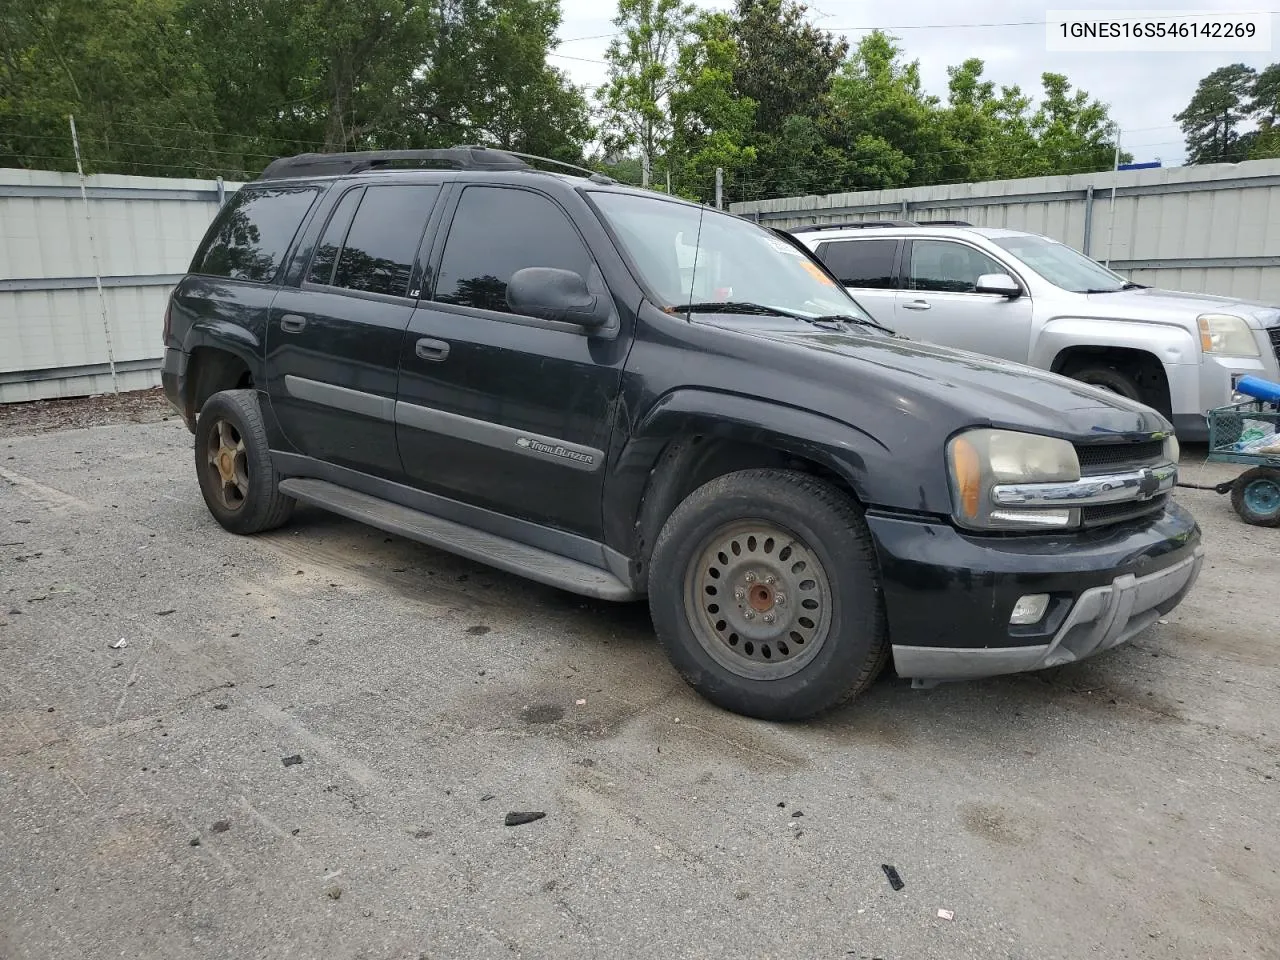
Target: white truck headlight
1225,335
980,459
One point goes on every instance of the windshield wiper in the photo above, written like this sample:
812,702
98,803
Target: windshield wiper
760,309
1100,290
860,321
1130,285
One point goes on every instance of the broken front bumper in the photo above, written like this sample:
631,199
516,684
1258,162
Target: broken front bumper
949,596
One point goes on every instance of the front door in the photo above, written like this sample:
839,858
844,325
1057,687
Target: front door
333,343
499,410
939,304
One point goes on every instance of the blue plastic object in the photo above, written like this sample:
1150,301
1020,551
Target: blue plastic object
1259,389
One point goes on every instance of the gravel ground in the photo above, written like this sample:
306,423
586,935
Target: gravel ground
1123,807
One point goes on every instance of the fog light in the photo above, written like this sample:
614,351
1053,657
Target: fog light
1029,609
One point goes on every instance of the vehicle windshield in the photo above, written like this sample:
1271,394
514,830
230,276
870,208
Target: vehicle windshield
695,255
1061,265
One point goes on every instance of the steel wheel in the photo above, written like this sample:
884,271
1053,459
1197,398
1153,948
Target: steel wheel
758,599
227,464
1263,497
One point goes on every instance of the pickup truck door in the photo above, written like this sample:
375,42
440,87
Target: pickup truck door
497,410
333,342
938,304
868,269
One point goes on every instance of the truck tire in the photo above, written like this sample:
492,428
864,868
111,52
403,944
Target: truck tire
1256,496
765,594
233,464
1109,378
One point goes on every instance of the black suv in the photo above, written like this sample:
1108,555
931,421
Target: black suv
623,394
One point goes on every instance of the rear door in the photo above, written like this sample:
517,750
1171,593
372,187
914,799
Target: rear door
939,304
868,269
499,410
334,341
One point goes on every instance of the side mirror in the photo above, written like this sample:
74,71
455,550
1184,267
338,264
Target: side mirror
552,294
1000,283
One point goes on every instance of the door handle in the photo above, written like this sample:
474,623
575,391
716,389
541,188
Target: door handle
429,349
916,305
292,323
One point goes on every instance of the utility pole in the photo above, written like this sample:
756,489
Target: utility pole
644,169
93,250
719,188
1115,175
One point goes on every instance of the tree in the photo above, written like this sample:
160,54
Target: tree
1212,119
712,122
642,71
1073,133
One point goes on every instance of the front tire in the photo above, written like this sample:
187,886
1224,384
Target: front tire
233,463
1109,378
764,592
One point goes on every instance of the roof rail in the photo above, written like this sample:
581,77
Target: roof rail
458,158
859,224
341,164
944,223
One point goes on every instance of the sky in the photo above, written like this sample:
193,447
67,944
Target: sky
1144,90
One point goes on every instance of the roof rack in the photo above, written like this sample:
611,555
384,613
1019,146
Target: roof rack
868,224
458,158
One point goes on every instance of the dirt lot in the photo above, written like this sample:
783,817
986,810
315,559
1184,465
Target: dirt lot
1124,807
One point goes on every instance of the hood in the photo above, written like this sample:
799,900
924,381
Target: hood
1154,304
939,386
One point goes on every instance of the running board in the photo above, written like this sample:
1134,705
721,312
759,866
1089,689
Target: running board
509,555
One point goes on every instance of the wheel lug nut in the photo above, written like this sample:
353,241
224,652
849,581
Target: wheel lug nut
739,593
749,577
779,599
748,614
768,618
771,579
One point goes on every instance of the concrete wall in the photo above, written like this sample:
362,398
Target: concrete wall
1209,229
53,336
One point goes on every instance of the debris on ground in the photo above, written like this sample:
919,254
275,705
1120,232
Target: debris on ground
581,703
797,813
334,893
221,706
164,613
119,644
946,914
291,761
221,826
515,819
486,797
895,880
195,841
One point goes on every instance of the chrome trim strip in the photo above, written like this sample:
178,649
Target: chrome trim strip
330,395
1135,486
550,449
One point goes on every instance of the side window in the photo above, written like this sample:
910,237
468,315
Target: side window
945,267
382,243
861,263
335,232
498,231
254,233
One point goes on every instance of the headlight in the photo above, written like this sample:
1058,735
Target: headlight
1221,333
980,459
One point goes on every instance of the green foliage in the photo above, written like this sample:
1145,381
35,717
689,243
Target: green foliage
1211,121
642,75
203,87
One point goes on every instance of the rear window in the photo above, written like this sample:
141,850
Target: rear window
861,263
254,232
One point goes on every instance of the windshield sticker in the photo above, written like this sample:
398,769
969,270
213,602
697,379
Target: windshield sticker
816,272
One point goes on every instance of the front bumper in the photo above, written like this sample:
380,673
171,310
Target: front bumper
949,596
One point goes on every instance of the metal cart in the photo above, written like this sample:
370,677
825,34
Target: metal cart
1249,433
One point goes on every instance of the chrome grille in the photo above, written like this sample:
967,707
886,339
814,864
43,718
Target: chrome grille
1099,458
1119,512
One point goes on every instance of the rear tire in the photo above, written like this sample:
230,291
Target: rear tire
765,593
233,464
1256,497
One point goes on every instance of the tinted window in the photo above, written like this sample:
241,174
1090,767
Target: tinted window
861,263
946,267
254,233
496,232
383,240
326,255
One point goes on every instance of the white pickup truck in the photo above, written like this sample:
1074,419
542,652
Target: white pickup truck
1024,297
